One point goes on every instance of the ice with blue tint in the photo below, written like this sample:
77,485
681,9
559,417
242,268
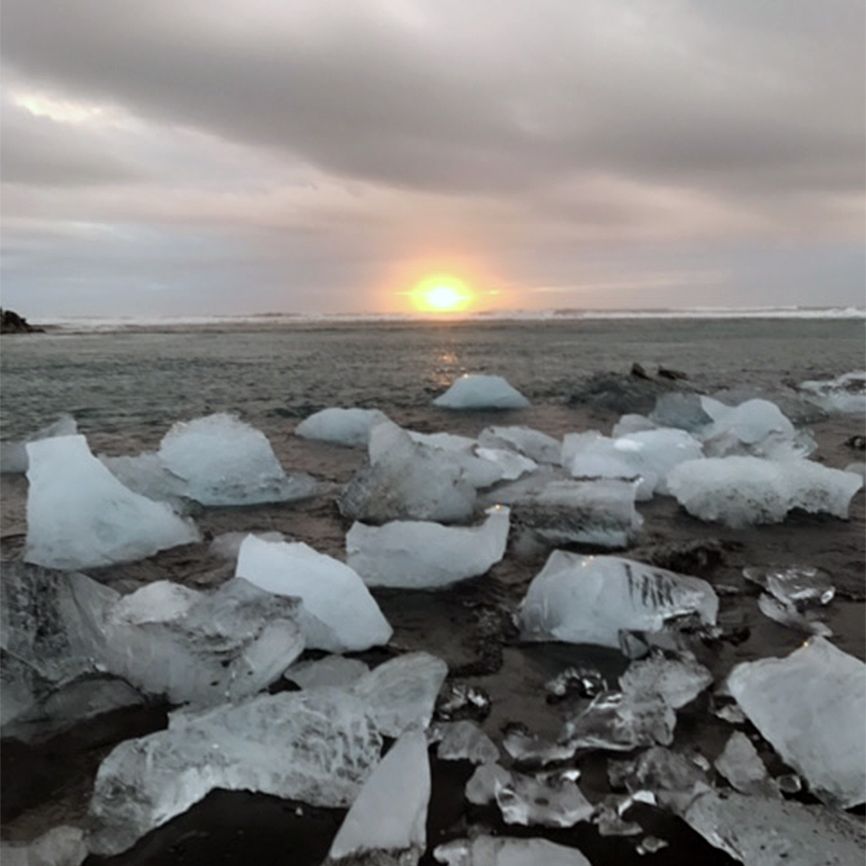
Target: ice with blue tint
339,426
479,391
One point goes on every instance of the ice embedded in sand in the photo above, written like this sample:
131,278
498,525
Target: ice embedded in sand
845,393
810,706
79,515
13,454
341,426
408,480
530,443
591,599
334,670
338,613
479,391
742,491
499,851
224,461
318,746
425,555
389,815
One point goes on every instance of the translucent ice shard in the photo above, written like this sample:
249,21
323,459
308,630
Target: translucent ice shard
670,776
339,614
425,555
390,812
742,766
478,391
499,851
767,831
330,671
531,443
795,584
458,452
224,461
341,426
60,846
484,782
463,741
147,475
810,706
408,480
685,411
590,599
13,455
548,802
202,647
752,427
79,515
621,721
401,693
788,615
677,680
510,464
845,393
740,491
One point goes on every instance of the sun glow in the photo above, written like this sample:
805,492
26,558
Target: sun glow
441,293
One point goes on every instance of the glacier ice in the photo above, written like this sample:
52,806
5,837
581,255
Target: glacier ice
796,584
678,681
753,427
463,741
227,545
533,750
810,707
845,393
341,426
79,515
13,454
621,721
499,851
631,423
224,461
484,782
317,746
585,681
510,464
332,670
146,475
671,776
741,491
390,811
409,480
742,766
401,693
60,846
338,615
787,614
479,391
648,456
530,443
425,555
590,599
683,410
456,452
544,801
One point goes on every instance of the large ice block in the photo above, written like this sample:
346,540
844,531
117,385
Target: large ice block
531,443
479,391
224,461
79,515
810,706
454,451
756,427
390,812
741,491
590,599
408,480
845,393
13,454
500,851
339,614
424,555
341,426
318,746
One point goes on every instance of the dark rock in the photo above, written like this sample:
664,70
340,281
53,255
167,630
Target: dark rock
666,373
12,323
618,393
858,443
639,371
686,557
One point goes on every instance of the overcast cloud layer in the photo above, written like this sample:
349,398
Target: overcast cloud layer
204,157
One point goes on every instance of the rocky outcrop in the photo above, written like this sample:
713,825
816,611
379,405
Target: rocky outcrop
12,323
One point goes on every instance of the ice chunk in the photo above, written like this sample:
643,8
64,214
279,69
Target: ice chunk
534,750
651,845
845,393
390,812
341,426
742,766
766,831
796,584
146,475
463,741
648,456
810,706
462,701
318,746
621,721
632,424
329,671
671,776
531,443
585,681
224,461
590,599
339,614
408,480
401,693
752,427
484,782
424,555
478,391
79,515
60,846
499,851
202,647
228,544
511,465
740,491
548,802
13,455
787,614
677,681
684,411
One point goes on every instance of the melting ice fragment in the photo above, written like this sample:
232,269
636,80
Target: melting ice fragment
224,461
339,614
797,584
335,671
742,766
590,599
60,846
678,681
13,454
499,851
463,741
753,427
318,746
478,391
787,614
621,721
845,393
79,515
670,776
341,426
408,480
741,491
484,782
810,706
426,555
511,465
390,812
546,801
531,443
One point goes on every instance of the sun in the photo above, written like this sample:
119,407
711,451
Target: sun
441,293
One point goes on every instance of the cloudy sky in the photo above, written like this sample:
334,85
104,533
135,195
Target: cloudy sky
210,156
